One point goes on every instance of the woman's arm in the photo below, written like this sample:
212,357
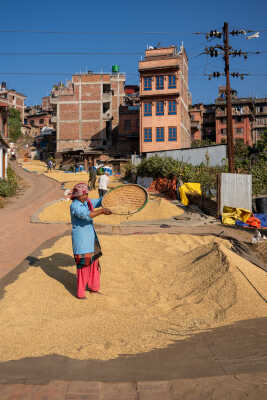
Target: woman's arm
82,212
95,213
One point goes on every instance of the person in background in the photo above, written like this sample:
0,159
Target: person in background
92,176
49,165
85,244
103,184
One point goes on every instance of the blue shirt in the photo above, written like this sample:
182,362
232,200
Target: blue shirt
83,232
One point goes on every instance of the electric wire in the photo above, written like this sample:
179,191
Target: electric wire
93,32
83,73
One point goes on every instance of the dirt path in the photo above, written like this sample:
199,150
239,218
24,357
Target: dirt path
18,236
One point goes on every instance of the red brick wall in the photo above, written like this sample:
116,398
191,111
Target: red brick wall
91,92
91,111
68,112
69,130
244,124
90,130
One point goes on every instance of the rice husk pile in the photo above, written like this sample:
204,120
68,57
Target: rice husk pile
150,298
158,209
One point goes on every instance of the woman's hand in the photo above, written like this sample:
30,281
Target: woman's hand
106,211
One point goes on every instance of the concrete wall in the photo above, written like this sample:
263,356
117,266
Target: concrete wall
195,156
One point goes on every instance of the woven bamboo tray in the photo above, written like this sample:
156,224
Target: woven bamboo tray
125,199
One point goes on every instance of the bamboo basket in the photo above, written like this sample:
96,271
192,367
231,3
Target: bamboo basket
125,199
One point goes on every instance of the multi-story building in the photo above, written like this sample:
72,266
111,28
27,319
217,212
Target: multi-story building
196,112
87,111
128,137
3,119
46,103
242,116
249,119
13,99
164,100
36,122
203,125
259,124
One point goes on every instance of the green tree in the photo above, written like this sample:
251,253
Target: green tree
14,124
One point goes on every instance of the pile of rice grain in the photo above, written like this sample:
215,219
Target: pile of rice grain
156,289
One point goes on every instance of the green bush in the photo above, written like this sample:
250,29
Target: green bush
8,187
14,124
158,167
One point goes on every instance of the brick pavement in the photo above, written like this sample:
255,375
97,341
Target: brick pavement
226,363
238,387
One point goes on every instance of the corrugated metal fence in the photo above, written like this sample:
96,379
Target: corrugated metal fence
216,155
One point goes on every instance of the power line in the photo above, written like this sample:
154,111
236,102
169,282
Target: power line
44,32
92,33
72,53
212,51
122,73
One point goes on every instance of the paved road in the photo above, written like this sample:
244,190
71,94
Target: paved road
227,363
18,236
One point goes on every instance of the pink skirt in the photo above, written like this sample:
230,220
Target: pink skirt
88,274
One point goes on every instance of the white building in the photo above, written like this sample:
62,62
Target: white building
3,158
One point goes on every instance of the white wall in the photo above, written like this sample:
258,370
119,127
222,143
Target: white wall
1,162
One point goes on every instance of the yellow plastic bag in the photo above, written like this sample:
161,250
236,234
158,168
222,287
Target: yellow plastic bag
231,214
188,188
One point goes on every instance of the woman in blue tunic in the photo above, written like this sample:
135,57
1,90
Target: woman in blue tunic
85,244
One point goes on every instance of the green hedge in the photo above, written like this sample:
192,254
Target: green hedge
8,187
158,167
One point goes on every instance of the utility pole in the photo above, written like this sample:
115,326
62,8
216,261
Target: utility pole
226,51
230,141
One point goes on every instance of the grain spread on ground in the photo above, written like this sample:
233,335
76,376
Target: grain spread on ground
156,289
158,209
34,166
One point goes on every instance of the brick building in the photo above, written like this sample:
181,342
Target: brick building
127,141
13,99
203,126
242,114
46,103
87,111
164,100
210,121
38,120
3,119
128,137
259,124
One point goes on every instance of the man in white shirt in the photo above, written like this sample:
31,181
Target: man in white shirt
103,184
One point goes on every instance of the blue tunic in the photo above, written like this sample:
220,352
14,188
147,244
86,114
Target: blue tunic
83,233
